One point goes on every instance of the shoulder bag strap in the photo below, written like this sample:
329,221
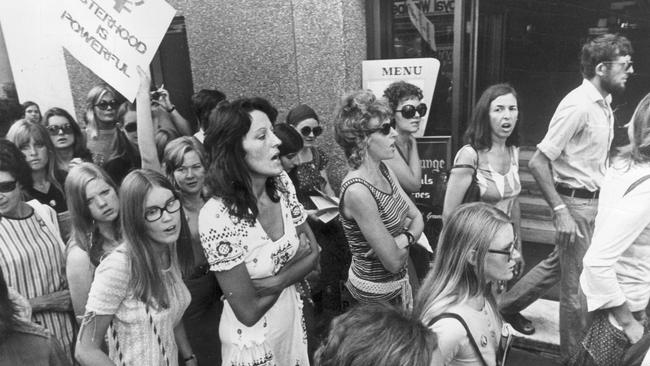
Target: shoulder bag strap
469,333
636,184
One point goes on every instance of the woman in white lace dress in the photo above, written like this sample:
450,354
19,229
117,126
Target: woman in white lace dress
249,234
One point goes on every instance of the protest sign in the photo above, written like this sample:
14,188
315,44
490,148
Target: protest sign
112,37
421,72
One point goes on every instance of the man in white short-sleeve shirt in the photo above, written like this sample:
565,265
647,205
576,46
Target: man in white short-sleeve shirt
569,166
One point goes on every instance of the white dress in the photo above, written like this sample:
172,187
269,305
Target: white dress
279,337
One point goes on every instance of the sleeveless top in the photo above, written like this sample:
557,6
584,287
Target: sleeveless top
366,272
497,189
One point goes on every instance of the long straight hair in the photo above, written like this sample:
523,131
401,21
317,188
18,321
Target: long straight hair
638,130
79,149
146,280
22,131
464,239
83,224
94,95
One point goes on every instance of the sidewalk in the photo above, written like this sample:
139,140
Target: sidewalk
545,342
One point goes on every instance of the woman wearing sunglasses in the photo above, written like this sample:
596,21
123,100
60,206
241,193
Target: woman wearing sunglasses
477,247
94,211
108,144
404,100
47,179
492,156
379,219
31,249
137,297
66,135
310,178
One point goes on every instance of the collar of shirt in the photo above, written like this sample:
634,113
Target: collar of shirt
593,94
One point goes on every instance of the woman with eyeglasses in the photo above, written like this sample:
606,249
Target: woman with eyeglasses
31,249
253,235
137,297
47,179
477,247
67,137
108,144
492,156
31,112
379,219
184,164
94,212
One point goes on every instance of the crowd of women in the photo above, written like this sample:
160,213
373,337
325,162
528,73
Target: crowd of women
133,242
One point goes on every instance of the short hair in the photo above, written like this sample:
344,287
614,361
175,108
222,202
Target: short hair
638,130
20,134
300,113
378,335
353,116
606,47
81,219
291,139
146,275
479,130
228,176
13,162
79,149
399,91
468,234
175,151
162,137
203,102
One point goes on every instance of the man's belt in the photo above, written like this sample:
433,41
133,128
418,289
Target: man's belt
576,192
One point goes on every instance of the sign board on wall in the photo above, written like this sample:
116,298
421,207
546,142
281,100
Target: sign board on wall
435,156
421,72
112,37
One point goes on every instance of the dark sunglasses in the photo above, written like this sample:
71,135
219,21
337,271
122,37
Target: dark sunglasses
54,129
384,129
6,187
306,131
103,105
131,127
627,65
408,111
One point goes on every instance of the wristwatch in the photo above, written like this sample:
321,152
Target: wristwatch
410,238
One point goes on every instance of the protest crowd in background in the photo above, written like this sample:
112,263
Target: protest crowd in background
130,238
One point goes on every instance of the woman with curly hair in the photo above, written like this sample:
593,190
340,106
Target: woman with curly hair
67,137
379,219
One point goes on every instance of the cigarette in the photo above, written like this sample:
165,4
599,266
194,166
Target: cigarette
579,234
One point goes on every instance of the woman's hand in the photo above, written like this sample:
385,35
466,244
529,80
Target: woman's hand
145,81
55,301
633,331
164,100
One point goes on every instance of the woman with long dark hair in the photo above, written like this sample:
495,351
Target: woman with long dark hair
248,231
67,138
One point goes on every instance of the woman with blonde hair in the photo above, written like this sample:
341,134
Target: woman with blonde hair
94,213
138,295
616,274
379,220
477,247
35,143
108,144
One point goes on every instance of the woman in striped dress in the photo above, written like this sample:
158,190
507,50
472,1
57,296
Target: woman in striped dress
379,220
31,249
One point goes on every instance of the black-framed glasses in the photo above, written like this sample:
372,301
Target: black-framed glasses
6,187
154,213
408,111
510,252
104,105
627,65
131,127
54,130
306,131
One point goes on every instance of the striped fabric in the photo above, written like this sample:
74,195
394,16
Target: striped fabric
31,260
392,210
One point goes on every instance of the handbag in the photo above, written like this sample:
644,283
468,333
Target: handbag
602,345
473,192
504,345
